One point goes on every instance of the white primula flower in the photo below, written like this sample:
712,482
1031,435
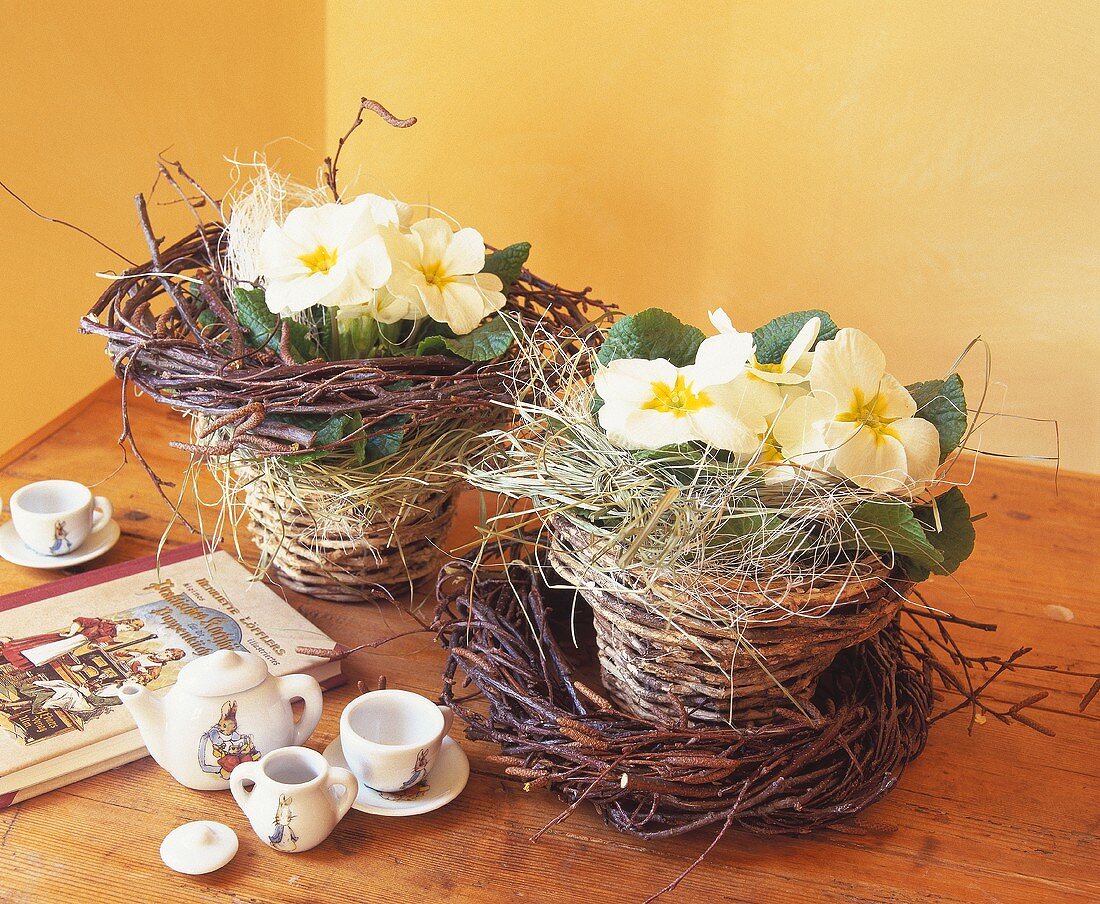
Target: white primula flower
437,272
795,364
859,419
652,404
798,435
780,457
332,255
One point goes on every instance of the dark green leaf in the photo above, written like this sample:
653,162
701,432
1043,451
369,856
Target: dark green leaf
955,536
382,444
302,347
328,430
891,528
943,404
760,534
263,328
507,262
775,336
488,341
651,334
254,317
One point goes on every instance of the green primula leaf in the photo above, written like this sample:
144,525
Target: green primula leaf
651,334
259,324
943,404
507,262
327,429
955,536
378,445
359,447
302,346
382,444
892,528
262,328
488,341
760,534
775,336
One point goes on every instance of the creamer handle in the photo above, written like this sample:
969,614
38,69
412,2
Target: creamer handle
305,688
243,772
345,777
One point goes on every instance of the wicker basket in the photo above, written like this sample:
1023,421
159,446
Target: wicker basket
709,673
351,558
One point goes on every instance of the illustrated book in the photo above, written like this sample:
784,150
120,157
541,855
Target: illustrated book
67,647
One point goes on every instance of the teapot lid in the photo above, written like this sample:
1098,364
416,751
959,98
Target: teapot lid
222,673
198,847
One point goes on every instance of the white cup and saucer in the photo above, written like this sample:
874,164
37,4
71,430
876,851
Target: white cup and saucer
396,744
57,524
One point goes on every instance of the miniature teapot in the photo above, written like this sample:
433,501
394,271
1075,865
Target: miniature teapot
225,708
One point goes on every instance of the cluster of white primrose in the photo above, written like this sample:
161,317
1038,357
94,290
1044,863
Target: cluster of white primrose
829,408
374,257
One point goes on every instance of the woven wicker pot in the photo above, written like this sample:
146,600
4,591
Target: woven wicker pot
708,672
350,558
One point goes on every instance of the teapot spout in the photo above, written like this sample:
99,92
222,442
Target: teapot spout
148,712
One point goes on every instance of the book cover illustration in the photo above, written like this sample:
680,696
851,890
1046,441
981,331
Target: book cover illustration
58,681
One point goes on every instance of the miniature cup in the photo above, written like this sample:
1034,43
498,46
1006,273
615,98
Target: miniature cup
53,517
391,738
296,798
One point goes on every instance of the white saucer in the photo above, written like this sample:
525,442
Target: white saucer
444,783
17,552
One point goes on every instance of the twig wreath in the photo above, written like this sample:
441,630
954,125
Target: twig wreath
339,359
802,770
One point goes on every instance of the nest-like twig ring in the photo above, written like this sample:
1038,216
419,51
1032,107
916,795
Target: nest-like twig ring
793,774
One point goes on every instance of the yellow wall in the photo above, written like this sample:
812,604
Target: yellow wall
89,95
926,171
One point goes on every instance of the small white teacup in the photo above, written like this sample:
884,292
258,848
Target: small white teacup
391,738
53,517
296,798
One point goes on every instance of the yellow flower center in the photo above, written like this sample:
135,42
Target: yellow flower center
434,275
319,260
770,452
767,368
871,414
678,400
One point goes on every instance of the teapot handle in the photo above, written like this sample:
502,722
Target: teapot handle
243,772
305,688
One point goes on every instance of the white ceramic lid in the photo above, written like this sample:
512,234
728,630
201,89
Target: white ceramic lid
198,847
222,673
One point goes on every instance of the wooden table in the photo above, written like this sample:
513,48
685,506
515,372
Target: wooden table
1005,814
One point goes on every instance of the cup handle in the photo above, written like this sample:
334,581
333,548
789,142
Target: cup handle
448,718
243,772
308,690
346,778
103,510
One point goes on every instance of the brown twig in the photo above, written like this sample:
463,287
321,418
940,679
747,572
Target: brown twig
67,225
331,163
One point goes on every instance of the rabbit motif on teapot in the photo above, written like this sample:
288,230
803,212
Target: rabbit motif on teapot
225,709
